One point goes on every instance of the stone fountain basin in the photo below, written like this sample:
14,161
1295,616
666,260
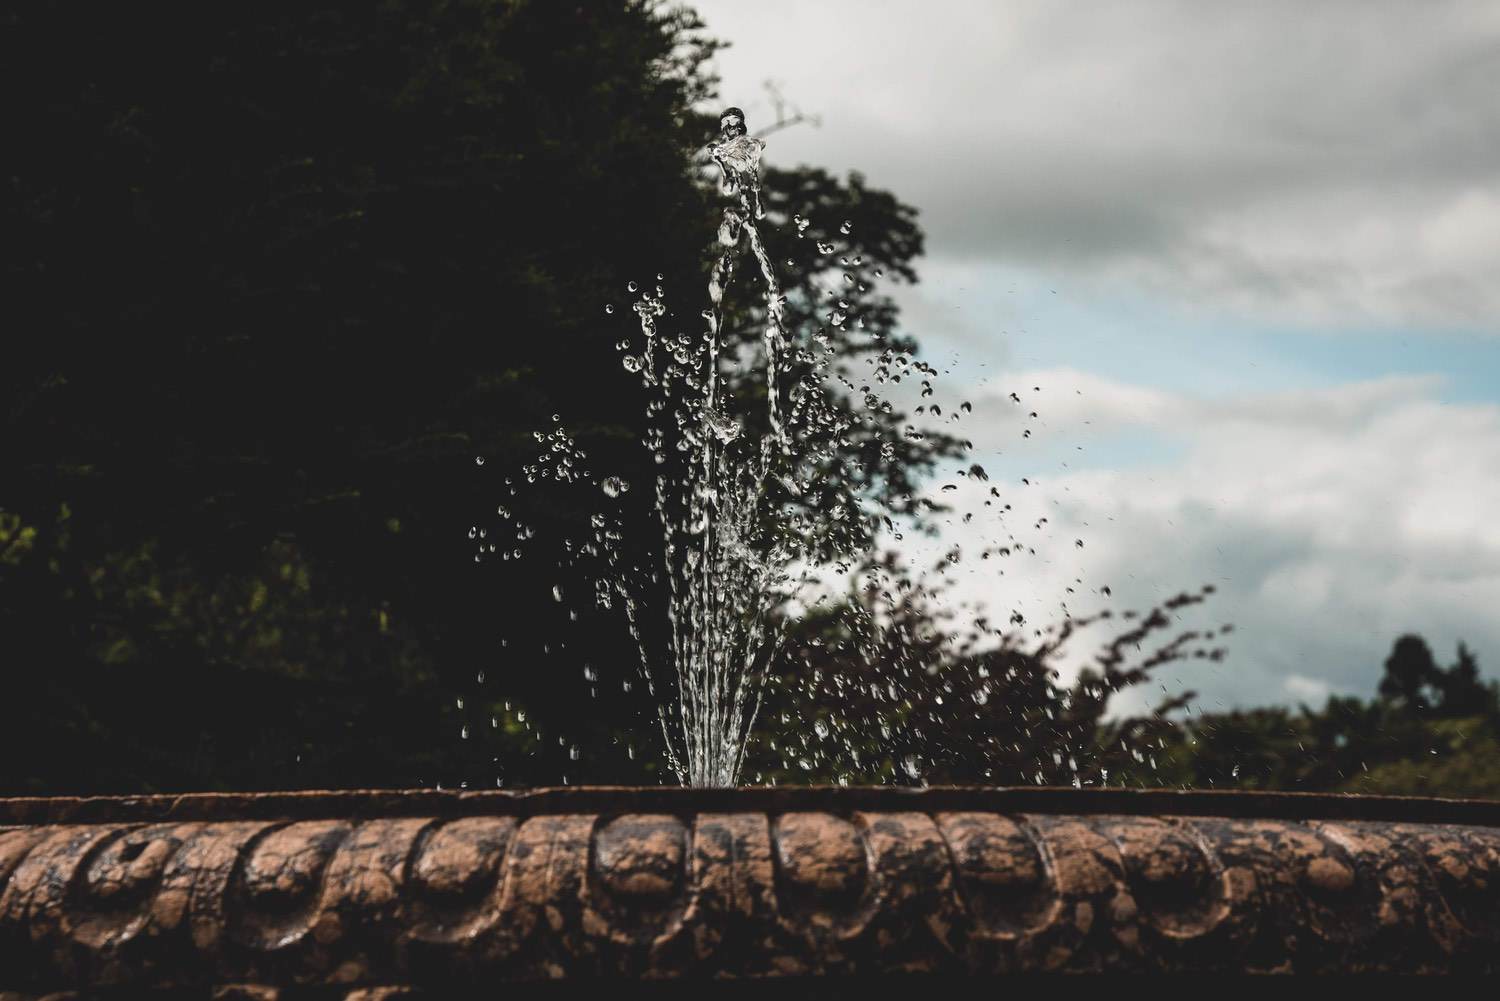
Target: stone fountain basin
374,894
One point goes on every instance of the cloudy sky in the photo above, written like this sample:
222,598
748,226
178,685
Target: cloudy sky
1251,255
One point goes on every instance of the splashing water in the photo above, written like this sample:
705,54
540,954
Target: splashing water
730,521
746,490
758,488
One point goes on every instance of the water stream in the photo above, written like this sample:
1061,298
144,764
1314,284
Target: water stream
753,455
764,455
737,544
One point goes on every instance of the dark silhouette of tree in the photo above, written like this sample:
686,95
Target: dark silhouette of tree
1431,731
892,686
1411,675
276,278
1463,693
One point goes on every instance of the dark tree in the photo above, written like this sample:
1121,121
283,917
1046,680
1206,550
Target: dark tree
1430,732
1463,693
891,687
1411,675
276,276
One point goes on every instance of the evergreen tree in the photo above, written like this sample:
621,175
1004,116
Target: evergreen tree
1411,675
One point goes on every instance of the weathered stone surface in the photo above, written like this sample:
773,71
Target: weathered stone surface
375,895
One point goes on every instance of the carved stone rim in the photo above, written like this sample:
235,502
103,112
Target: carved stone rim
355,894
443,803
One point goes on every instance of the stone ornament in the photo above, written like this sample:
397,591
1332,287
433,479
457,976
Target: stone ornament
391,891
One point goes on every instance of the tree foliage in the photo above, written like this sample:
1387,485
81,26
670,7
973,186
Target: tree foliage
1430,731
891,685
279,275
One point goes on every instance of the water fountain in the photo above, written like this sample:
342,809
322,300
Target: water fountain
368,895
753,456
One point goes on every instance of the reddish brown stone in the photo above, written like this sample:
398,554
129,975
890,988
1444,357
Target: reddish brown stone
379,895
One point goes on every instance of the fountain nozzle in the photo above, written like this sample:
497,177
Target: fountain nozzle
732,124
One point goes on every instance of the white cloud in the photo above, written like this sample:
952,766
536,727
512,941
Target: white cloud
1328,164
1330,521
1334,165
1308,691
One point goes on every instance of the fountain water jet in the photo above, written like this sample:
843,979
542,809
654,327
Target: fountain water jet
725,540
747,491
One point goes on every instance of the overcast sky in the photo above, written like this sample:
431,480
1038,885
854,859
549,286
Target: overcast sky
1251,255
